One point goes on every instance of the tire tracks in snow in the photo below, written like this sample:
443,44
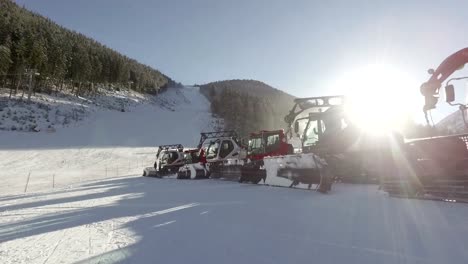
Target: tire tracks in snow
55,247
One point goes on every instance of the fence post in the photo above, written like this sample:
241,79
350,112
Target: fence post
53,180
27,182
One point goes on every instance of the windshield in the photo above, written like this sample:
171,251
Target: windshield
255,146
310,133
212,151
272,143
191,157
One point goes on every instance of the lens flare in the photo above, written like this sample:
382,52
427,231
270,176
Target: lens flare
380,97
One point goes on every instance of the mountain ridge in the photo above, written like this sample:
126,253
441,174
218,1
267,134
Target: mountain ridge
248,105
64,58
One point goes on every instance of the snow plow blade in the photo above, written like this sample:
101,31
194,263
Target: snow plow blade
300,175
301,171
253,173
193,171
238,170
150,172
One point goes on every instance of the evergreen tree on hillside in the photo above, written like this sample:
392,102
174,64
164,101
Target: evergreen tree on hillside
5,60
64,57
247,106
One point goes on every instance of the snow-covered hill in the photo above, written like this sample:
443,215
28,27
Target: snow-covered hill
453,123
107,143
46,112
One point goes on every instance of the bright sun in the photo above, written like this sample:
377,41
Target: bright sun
380,97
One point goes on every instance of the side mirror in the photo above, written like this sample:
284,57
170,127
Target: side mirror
430,71
315,131
449,93
296,127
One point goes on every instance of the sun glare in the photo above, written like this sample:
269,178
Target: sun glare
380,97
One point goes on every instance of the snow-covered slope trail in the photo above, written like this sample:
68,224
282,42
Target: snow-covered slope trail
109,144
179,114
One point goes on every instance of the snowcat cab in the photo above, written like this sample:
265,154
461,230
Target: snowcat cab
192,156
214,148
268,143
222,146
249,168
169,158
260,145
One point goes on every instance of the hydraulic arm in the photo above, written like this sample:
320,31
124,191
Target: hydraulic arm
430,89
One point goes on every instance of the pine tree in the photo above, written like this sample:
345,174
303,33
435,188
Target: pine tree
5,60
29,40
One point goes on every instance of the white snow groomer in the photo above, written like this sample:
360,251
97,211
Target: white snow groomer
334,148
317,118
169,158
215,148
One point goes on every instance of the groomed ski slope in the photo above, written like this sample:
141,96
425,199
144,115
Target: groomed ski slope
75,196
108,144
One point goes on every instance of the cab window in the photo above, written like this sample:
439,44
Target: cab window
212,151
226,148
255,146
164,158
312,133
173,156
272,142
169,157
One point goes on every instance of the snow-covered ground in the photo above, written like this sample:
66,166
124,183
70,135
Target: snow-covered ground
107,144
147,220
75,196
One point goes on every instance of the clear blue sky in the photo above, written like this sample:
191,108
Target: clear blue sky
297,46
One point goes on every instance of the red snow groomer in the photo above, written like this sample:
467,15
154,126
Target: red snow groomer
435,167
251,168
263,144
267,144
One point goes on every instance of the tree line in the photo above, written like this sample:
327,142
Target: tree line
247,105
57,58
